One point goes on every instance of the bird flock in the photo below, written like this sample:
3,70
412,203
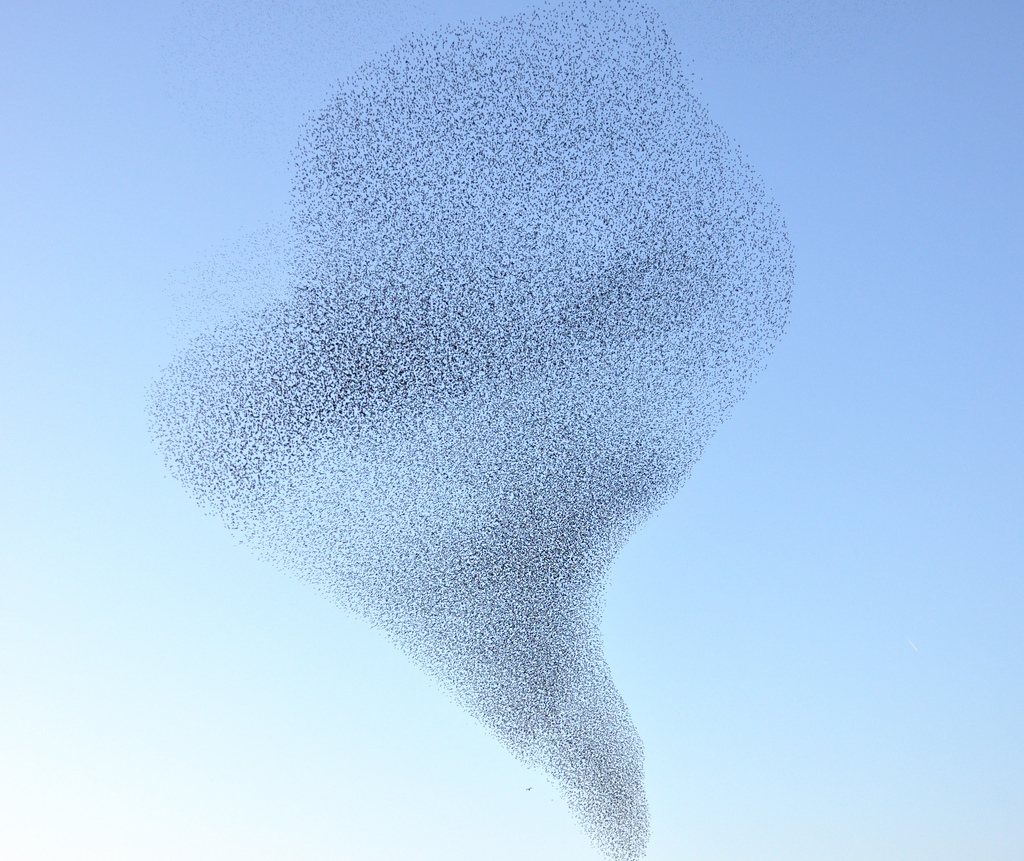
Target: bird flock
528,279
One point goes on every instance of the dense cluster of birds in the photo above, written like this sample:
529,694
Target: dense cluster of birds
529,277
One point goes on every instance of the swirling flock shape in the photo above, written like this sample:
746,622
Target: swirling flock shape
530,279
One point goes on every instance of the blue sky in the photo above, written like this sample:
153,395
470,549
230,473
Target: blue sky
820,638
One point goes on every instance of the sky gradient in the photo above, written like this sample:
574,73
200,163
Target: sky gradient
820,639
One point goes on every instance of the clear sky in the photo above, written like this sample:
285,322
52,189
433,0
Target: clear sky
821,640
